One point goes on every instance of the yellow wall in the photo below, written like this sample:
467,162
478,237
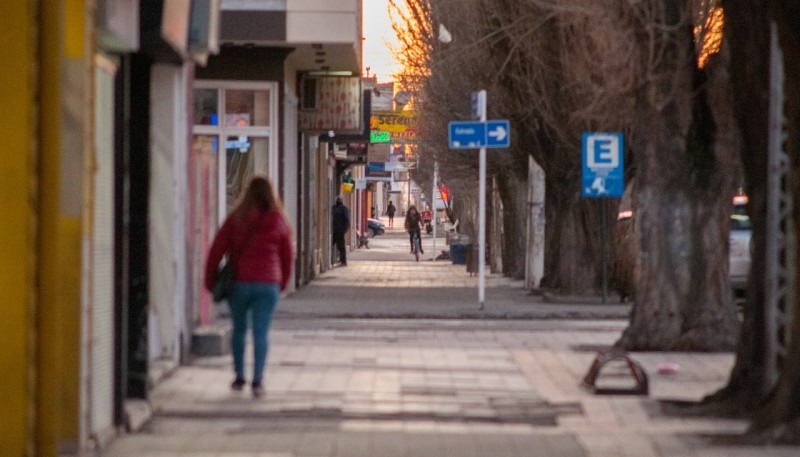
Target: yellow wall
62,121
17,227
40,261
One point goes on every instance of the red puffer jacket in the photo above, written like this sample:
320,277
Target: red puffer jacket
268,255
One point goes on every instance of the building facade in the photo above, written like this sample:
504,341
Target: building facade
135,124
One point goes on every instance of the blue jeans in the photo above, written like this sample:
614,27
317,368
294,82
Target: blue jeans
259,298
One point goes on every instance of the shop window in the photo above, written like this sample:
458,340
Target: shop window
246,108
206,107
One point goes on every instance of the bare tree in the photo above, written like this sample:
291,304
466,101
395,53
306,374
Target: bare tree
747,25
556,69
512,50
683,298
441,76
631,67
685,111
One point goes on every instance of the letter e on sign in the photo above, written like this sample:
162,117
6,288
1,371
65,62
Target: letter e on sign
603,151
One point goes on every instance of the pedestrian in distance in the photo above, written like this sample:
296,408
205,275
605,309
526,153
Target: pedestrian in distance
258,230
340,225
413,224
390,212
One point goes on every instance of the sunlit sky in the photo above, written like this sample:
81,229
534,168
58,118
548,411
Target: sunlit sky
377,29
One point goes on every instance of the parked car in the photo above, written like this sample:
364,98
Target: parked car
375,227
739,248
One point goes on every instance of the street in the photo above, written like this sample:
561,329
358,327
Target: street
391,357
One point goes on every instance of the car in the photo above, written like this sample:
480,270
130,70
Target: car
740,244
375,227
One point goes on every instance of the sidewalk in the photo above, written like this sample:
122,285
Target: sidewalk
384,281
389,383
432,290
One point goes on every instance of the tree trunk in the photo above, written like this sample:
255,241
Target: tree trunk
465,207
662,207
710,321
747,34
710,316
683,299
570,258
514,193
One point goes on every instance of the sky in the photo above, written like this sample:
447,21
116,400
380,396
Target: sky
377,30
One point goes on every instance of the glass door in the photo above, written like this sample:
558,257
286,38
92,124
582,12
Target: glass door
245,157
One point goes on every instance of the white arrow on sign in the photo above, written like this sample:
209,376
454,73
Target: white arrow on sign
499,133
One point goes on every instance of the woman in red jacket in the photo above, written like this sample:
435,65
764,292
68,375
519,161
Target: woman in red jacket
257,234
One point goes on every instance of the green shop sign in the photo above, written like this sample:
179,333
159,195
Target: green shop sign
379,136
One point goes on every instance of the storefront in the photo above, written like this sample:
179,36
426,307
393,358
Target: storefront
240,119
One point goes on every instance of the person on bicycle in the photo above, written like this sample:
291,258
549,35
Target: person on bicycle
413,225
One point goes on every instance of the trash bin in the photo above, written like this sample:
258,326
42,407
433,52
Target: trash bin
458,253
458,248
472,258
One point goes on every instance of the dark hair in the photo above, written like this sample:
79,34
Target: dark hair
260,194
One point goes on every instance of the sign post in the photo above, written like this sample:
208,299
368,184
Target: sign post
602,177
480,134
434,210
482,207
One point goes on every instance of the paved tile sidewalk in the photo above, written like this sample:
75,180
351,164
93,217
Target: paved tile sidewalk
499,384
396,387
374,287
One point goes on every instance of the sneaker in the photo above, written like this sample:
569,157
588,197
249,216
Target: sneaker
258,390
238,384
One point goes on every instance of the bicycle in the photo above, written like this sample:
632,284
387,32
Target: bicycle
417,246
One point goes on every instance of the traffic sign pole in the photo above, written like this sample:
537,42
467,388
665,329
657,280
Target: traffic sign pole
434,210
602,177
482,208
480,134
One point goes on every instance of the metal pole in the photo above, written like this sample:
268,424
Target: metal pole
603,248
408,189
433,205
779,276
482,208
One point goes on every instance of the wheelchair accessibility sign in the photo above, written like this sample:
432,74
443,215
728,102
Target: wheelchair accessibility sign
603,165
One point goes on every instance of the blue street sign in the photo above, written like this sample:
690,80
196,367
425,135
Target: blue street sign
467,134
476,134
603,165
498,134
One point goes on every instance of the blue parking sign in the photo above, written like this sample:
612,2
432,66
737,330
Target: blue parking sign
603,164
